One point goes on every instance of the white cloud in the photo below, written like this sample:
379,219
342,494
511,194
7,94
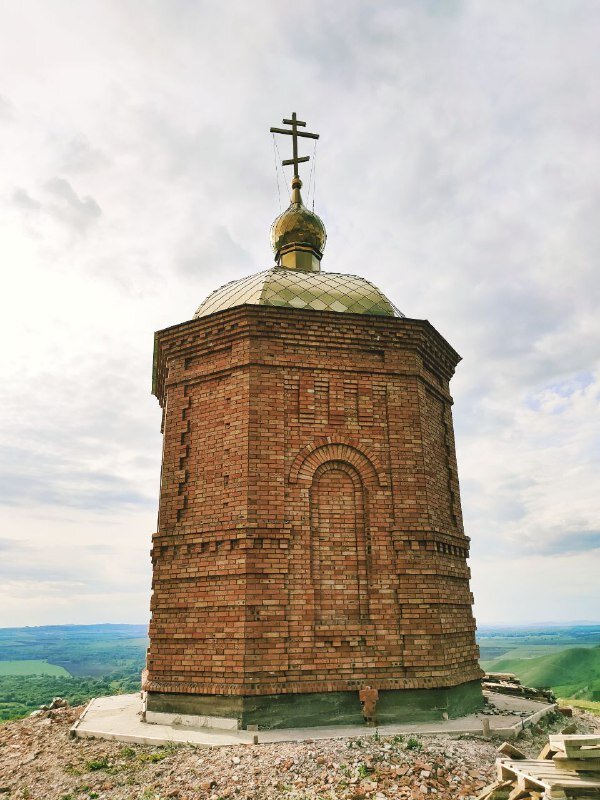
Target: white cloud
78,566
456,169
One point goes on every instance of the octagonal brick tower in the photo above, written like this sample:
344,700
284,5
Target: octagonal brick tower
310,540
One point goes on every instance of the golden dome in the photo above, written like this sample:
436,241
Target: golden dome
298,235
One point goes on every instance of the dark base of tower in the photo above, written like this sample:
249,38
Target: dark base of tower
318,709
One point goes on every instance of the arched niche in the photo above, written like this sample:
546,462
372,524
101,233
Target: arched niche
339,546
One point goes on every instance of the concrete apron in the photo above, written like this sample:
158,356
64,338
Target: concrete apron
120,718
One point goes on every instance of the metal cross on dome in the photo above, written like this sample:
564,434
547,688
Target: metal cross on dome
295,133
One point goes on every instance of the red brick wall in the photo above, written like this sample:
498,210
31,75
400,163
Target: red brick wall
310,534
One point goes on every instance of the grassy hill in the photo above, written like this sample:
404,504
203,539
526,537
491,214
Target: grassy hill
572,672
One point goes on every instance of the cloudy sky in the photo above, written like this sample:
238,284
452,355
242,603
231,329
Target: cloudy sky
457,169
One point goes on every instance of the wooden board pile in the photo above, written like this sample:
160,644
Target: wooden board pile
507,683
568,767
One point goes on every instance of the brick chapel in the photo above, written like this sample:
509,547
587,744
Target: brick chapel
310,541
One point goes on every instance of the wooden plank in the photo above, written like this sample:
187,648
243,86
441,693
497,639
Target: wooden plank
519,794
527,781
547,751
565,779
585,746
573,783
504,773
581,740
530,773
499,790
586,765
510,751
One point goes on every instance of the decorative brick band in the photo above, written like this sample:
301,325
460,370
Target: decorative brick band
446,676
310,458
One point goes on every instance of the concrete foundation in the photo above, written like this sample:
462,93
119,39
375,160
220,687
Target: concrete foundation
274,712
120,718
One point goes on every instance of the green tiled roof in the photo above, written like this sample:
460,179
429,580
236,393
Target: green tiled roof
321,291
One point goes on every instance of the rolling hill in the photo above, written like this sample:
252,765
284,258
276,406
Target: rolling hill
572,672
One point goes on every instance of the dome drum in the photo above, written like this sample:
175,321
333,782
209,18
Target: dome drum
300,256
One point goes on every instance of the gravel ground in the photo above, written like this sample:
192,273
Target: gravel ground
39,760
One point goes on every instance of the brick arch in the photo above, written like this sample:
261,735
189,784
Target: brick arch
310,458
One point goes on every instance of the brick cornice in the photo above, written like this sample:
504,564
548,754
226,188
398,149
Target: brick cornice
289,326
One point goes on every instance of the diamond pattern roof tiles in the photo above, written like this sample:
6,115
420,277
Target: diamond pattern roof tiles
321,291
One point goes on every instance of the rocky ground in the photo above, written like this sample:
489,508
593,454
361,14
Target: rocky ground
39,760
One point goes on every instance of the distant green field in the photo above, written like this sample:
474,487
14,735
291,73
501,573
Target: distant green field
31,667
576,635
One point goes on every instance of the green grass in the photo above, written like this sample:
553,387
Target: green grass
571,672
587,705
98,764
31,667
414,744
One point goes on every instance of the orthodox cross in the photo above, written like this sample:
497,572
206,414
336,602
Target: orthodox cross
295,133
